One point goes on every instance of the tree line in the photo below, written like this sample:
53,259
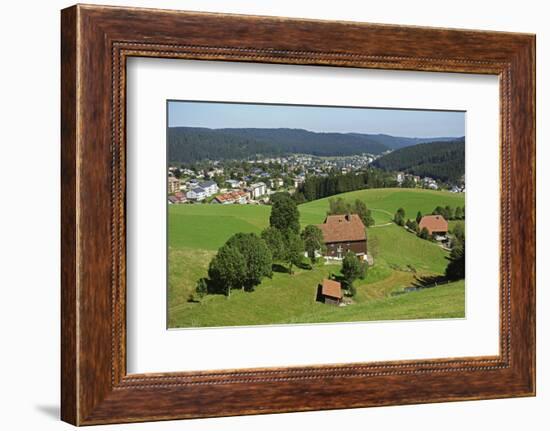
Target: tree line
317,187
339,206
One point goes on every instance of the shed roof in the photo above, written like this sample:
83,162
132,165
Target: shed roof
331,288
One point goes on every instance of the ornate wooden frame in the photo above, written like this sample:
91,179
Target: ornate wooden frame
95,43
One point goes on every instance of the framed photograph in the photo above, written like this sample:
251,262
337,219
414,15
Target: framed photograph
325,215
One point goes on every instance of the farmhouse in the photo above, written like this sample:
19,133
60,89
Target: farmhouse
435,224
343,233
330,292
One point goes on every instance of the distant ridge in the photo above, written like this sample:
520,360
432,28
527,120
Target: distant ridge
397,142
192,144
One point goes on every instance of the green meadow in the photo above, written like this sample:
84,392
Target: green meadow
401,259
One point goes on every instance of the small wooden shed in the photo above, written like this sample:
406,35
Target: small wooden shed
331,292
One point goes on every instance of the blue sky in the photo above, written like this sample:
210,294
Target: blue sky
396,122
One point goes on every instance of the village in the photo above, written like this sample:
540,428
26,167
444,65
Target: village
254,181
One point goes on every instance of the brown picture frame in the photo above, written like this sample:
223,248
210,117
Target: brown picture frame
95,43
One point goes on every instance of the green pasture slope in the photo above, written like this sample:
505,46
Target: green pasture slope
197,231
384,203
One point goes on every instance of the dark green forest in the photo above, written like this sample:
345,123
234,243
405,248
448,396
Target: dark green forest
192,144
316,187
440,160
397,142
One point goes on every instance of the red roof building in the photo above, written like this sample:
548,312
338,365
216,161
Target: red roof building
344,233
331,292
435,224
233,197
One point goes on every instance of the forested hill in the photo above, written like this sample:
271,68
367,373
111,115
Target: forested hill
440,160
191,144
397,142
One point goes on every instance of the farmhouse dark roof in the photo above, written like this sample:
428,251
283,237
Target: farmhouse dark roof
342,228
331,288
434,223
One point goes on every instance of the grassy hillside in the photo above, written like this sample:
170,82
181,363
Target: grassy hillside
209,226
197,231
280,302
384,203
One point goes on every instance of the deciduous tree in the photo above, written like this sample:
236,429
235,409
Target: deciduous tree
360,208
227,269
312,237
352,269
294,249
399,217
284,213
338,206
258,259
275,242
424,233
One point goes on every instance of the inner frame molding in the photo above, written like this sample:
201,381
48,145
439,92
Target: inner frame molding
121,52
96,42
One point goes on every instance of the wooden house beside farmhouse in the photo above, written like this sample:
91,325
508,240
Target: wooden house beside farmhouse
344,233
435,224
330,292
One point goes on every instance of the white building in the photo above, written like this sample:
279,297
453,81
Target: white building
191,184
257,190
400,177
209,187
234,184
196,194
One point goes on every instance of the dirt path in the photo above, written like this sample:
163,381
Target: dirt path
385,212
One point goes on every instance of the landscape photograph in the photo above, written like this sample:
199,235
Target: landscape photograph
295,214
